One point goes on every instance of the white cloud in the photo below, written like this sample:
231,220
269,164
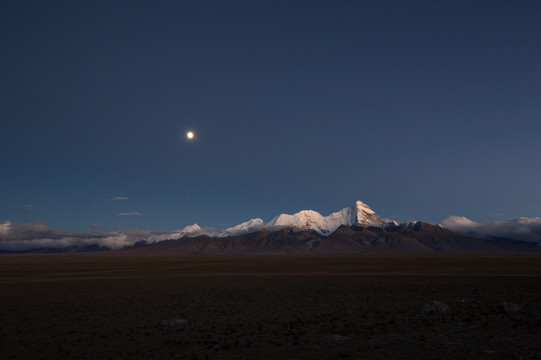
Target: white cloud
119,198
459,223
136,213
23,237
524,229
116,241
5,226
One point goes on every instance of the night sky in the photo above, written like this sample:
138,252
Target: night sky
421,109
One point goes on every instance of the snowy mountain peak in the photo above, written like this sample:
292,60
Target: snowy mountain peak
189,231
305,219
358,214
192,228
246,227
362,207
366,216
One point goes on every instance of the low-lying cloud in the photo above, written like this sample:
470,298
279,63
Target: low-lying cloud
35,236
524,229
24,237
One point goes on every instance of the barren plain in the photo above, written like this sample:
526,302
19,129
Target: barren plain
106,306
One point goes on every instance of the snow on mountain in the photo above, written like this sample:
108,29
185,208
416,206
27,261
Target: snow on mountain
194,230
246,227
358,214
305,219
189,231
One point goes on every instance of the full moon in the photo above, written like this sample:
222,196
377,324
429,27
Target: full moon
190,135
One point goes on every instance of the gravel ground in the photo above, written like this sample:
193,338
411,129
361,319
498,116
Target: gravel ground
270,307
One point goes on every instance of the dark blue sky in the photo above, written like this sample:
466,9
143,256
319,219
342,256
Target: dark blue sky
421,109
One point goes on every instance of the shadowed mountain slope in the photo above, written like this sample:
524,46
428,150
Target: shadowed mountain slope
416,237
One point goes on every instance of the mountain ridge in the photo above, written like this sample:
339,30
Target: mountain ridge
354,229
357,214
419,237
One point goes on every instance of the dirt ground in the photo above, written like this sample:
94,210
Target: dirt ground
89,306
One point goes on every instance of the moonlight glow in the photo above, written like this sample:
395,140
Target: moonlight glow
190,135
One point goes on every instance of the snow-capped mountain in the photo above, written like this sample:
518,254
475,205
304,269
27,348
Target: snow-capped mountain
246,227
194,230
358,214
355,229
188,231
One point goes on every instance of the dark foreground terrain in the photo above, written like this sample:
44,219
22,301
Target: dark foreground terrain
270,307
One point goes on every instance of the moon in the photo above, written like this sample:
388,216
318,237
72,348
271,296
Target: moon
190,135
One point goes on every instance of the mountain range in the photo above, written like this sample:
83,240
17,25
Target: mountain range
358,214
355,229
